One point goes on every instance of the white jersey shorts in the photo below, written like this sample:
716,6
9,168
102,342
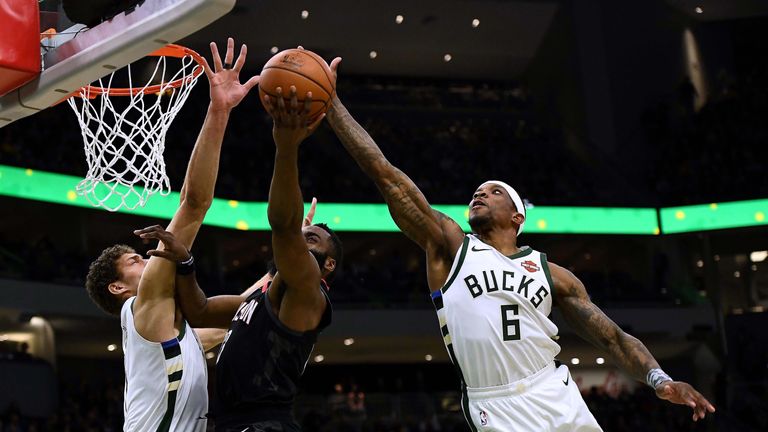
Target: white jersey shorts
548,401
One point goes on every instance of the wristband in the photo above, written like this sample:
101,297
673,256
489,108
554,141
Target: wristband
656,377
186,267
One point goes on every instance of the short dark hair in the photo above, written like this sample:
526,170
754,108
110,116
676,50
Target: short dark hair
102,272
337,251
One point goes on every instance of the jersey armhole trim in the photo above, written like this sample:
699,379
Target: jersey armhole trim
179,338
462,255
545,267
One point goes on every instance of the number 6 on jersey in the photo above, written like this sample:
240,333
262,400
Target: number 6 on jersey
511,327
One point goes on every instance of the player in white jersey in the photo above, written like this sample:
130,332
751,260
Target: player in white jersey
493,298
165,370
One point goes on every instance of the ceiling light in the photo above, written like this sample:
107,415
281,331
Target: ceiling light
37,321
737,274
373,54
348,341
399,19
210,355
699,10
699,263
754,267
428,357
304,14
319,358
475,23
447,57
758,256
274,50
575,361
716,257
111,347
600,360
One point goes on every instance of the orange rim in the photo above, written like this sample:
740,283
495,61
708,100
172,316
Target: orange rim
170,50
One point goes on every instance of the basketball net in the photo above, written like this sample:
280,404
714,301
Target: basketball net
124,144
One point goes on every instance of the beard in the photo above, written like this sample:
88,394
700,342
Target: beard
320,257
477,223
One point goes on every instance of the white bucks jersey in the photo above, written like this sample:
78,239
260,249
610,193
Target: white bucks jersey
493,314
166,384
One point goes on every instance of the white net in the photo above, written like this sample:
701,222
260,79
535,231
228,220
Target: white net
124,136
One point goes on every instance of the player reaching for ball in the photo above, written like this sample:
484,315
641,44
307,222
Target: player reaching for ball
273,330
165,371
493,300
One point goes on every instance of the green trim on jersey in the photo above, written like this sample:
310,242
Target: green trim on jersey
522,253
545,266
170,352
462,255
165,423
465,408
183,329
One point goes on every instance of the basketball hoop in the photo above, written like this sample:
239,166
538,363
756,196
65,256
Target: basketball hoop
124,145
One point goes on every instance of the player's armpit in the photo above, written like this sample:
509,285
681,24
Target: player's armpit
591,324
210,338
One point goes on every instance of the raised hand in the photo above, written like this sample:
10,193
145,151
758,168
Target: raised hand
682,393
292,123
224,80
310,214
173,250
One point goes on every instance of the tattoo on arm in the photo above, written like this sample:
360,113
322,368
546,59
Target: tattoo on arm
407,205
593,325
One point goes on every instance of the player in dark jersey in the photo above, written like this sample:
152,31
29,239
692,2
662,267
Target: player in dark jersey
272,330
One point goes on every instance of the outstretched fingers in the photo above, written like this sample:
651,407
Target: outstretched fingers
252,82
162,254
311,213
230,54
217,67
155,232
207,68
241,58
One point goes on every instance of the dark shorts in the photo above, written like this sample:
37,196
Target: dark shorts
262,426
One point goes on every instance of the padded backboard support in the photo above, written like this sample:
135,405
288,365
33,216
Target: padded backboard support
80,58
19,43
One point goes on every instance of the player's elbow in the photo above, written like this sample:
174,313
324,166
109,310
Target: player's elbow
197,203
283,222
381,170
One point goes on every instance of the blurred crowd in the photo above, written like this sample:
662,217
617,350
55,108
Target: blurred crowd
89,407
385,279
717,153
450,136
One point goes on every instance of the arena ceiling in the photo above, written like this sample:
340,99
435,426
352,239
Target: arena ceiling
507,37
718,10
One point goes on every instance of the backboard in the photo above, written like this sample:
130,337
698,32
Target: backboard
77,55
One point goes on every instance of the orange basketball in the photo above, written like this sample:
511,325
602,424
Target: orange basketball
303,69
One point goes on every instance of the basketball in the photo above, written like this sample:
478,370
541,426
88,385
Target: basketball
305,70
